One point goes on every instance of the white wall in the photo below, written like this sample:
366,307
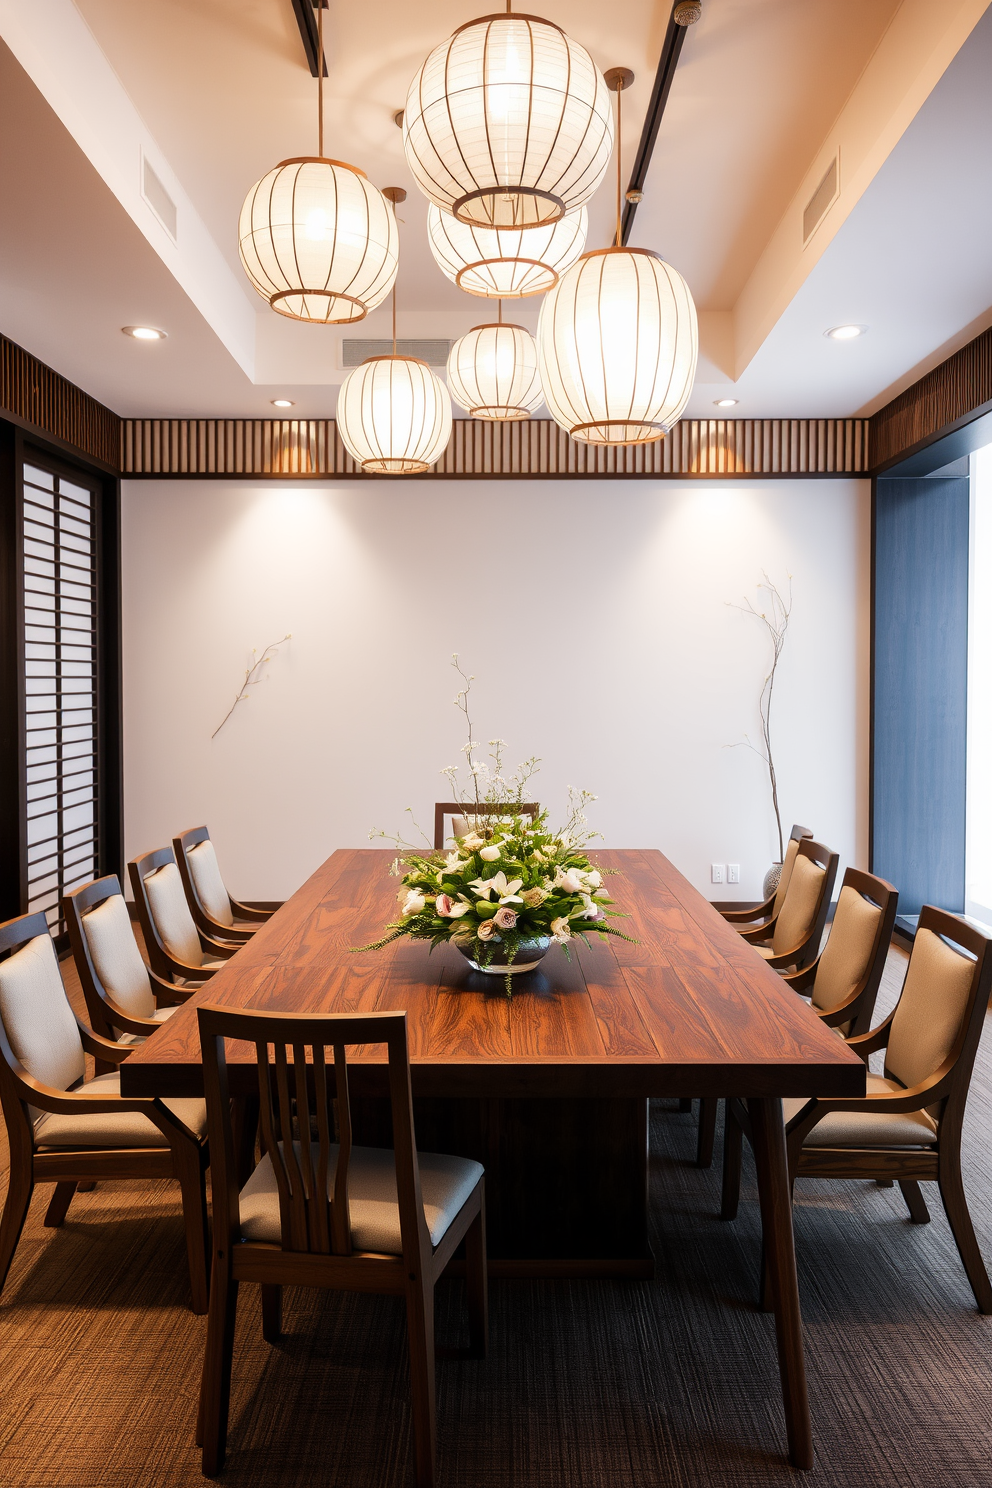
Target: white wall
594,616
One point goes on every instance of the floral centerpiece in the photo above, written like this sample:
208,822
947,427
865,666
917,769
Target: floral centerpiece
509,886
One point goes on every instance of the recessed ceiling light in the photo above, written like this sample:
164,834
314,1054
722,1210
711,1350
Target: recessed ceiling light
845,332
144,333
725,402
283,403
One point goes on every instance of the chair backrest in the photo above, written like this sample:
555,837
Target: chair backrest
163,911
463,817
106,952
201,875
853,959
943,1002
788,863
291,1050
807,899
39,1025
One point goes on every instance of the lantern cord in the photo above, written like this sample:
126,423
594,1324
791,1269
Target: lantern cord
394,317
320,78
619,153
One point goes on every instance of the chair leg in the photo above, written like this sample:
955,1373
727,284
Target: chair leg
707,1131
733,1143
477,1278
192,1182
956,1206
215,1388
420,1328
15,1211
915,1202
271,1313
58,1208
685,1106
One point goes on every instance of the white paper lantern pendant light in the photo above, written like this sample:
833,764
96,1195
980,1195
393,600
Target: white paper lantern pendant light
317,240
617,339
492,372
394,413
505,263
508,123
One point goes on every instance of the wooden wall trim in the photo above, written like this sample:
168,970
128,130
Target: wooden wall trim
957,390
534,448
41,400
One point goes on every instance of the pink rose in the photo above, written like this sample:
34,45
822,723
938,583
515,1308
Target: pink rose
443,905
505,918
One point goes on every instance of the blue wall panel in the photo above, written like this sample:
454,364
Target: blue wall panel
920,689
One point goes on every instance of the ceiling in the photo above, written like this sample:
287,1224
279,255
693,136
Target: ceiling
215,92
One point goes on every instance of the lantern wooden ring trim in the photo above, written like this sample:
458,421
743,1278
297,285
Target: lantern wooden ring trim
499,414
658,431
502,192
393,465
328,294
550,274
321,160
506,15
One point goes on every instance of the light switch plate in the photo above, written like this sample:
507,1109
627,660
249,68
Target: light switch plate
733,873
716,873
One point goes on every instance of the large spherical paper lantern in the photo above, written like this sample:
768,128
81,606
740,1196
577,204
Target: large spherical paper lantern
508,123
394,415
505,263
319,241
617,347
492,373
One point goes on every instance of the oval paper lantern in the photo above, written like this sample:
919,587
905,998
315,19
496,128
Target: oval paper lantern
394,415
508,123
492,373
505,263
617,347
319,241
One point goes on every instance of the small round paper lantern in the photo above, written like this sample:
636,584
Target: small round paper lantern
617,347
505,263
319,241
492,373
508,123
394,415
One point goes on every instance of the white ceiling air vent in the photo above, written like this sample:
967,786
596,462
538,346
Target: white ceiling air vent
823,198
355,352
158,198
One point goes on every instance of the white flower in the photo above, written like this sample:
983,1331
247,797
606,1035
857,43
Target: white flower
590,910
453,862
560,930
486,930
506,892
457,909
471,841
571,880
491,853
594,878
413,904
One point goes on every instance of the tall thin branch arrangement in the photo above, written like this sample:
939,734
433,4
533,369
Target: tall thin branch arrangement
253,675
775,619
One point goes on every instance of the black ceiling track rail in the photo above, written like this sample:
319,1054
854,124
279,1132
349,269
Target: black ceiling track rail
307,22
670,52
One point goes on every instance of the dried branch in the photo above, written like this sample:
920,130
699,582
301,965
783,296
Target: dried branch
253,675
776,621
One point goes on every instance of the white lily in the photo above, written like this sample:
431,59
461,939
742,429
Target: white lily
571,880
506,892
413,904
472,841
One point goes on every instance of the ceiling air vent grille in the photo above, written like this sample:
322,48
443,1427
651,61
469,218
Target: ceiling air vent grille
158,198
823,197
434,352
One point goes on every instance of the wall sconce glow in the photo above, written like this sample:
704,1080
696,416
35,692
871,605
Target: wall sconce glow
724,402
846,332
283,403
144,333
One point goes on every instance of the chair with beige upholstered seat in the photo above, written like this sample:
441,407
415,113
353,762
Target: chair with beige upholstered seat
125,999
791,938
65,1129
176,948
215,912
908,1126
324,1213
764,913
463,817
842,983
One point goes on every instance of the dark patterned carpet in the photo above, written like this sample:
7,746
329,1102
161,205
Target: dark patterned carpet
604,1385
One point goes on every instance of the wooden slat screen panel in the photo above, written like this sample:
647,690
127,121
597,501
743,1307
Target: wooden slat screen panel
33,392
532,448
959,386
60,679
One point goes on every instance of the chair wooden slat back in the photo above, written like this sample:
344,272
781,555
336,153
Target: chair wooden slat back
301,1091
452,808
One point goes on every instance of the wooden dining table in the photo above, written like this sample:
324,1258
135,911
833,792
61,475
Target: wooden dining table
548,1089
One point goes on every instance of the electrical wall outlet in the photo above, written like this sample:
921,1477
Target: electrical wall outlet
716,873
733,873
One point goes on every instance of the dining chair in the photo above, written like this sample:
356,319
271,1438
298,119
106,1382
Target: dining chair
65,1129
126,1000
461,816
843,981
175,946
213,909
791,938
767,911
321,1212
908,1125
